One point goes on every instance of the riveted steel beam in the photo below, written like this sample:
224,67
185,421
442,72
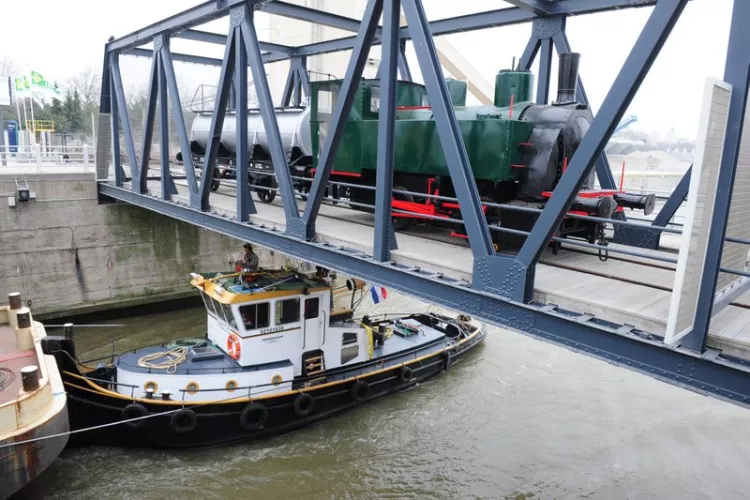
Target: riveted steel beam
709,373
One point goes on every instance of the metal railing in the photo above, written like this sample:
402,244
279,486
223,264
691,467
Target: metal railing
48,156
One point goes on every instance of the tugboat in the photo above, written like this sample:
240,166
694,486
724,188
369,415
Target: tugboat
33,413
277,356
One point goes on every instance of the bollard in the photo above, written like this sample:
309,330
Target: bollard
149,393
30,378
14,300
68,329
165,395
24,318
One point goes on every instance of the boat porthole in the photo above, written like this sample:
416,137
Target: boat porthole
183,421
405,374
303,404
277,379
360,391
151,385
253,417
231,386
192,387
132,411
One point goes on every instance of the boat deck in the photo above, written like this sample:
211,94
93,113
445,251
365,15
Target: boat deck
221,363
13,359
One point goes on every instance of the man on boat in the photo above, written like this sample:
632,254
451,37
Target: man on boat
250,261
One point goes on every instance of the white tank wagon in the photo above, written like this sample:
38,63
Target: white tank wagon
294,128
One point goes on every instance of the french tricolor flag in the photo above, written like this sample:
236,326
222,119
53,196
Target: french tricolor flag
378,293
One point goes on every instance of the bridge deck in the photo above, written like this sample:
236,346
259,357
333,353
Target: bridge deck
628,290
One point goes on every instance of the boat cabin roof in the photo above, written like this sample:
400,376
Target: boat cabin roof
241,287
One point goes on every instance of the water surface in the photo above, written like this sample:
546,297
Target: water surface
515,419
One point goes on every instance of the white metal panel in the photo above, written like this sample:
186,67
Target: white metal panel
700,206
735,255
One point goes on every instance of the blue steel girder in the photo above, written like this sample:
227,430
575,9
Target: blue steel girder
449,132
385,238
403,63
140,180
122,110
183,22
545,71
617,344
217,124
165,56
245,204
243,17
529,54
192,59
167,183
645,50
737,74
286,98
117,160
219,39
340,114
538,7
481,20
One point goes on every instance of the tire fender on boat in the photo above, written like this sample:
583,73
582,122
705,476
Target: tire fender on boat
253,417
134,410
360,391
183,421
405,374
303,404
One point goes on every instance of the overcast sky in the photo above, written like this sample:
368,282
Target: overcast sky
59,39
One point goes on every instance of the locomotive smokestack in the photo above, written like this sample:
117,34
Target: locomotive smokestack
567,77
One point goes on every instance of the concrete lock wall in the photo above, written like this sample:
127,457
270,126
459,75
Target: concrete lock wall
65,251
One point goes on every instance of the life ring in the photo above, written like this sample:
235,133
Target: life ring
253,417
134,410
360,391
405,374
183,421
234,347
448,360
303,404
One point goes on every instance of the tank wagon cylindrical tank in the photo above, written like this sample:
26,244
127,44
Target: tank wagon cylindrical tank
518,150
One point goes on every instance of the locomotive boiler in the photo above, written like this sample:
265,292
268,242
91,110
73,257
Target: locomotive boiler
518,150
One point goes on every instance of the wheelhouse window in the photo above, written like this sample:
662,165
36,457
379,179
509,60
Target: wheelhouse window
211,306
349,347
219,309
255,315
229,315
312,308
287,311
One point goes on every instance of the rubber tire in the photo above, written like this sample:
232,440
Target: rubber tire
405,374
402,223
134,410
304,404
360,391
247,421
183,421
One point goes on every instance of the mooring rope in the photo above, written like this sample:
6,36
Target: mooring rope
173,358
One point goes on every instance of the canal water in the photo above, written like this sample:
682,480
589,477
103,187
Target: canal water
516,419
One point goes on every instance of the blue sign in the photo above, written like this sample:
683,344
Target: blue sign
13,136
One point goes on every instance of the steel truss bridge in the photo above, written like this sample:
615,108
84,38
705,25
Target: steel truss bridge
496,287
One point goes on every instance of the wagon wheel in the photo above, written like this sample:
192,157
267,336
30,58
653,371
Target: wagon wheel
267,195
402,223
215,183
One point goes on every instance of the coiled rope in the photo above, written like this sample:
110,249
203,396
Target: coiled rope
173,358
